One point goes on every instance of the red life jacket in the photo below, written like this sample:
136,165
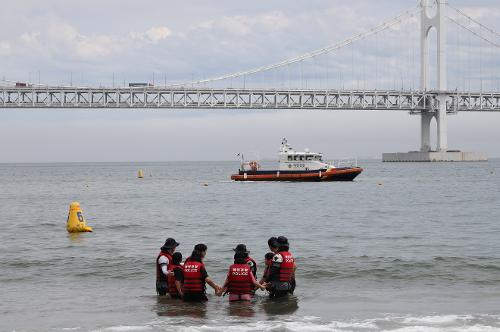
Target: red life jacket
287,266
160,277
254,266
240,279
172,290
193,279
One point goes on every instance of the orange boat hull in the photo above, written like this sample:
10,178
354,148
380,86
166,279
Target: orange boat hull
335,174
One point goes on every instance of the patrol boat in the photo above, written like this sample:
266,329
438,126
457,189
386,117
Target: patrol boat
297,166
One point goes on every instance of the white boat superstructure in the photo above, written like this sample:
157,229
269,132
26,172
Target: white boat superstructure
291,160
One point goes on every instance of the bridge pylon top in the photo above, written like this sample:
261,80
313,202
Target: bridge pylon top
433,16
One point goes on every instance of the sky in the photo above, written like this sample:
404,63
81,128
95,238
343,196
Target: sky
112,43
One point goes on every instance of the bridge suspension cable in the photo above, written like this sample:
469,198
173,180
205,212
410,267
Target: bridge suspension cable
347,42
480,36
474,20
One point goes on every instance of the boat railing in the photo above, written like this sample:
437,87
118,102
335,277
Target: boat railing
346,162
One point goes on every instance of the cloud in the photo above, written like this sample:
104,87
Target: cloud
480,12
5,48
153,35
31,37
65,41
243,24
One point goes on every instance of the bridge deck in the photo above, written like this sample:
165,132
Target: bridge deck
203,98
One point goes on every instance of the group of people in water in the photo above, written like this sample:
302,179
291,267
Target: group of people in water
188,280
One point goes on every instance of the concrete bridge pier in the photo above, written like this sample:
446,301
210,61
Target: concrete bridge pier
425,131
442,125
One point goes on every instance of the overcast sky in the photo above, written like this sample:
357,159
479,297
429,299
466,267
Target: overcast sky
115,42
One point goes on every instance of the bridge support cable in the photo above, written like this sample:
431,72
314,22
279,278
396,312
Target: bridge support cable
487,44
489,51
332,48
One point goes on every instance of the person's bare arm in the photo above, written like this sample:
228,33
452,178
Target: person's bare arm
212,284
224,288
257,284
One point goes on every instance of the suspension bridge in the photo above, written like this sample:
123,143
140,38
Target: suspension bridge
386,81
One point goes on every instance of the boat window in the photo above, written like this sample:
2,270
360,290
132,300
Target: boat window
309,157
301,157
295,157
290,158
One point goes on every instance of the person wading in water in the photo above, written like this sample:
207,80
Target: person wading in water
163,261
175,277
240,282
282,272
196,278
241,248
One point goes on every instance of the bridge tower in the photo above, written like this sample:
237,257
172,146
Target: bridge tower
433,17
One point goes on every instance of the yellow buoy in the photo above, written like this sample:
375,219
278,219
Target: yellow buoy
76,223
140,174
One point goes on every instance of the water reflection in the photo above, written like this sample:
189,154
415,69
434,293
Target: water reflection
166,306
280,306
76,237
241,309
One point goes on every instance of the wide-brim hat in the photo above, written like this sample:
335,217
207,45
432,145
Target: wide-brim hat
241,248
170,243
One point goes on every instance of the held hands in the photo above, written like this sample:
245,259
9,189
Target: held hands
218,290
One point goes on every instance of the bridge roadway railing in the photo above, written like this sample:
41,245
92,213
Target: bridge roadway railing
204,98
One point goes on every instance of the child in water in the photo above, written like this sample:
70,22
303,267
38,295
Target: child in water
268,258
240,281
175,276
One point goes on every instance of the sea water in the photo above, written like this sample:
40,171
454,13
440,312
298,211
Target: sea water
405,247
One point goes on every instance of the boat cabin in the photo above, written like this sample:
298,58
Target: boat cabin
291,160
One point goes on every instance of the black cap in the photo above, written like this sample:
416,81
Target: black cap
170,243
241,248
282,241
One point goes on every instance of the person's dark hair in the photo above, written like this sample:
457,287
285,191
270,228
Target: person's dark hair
177,258
272,242
269,255
196,256
200,247
243,254
240,258
283,248
282,243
